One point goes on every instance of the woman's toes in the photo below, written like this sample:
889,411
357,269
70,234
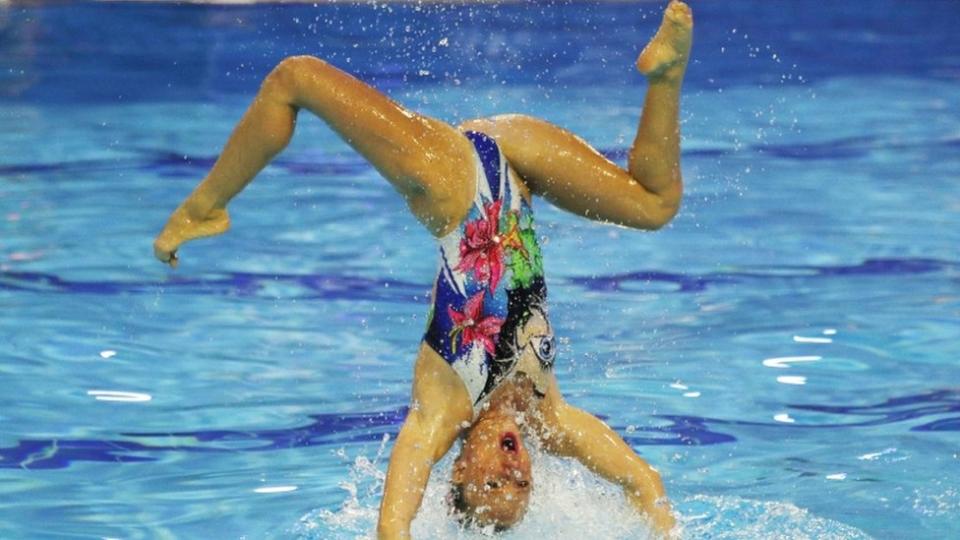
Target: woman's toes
679,13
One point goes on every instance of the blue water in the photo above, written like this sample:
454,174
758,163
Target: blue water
785,352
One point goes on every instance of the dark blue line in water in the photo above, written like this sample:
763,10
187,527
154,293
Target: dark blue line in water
317,286
338,286
891,411
900,410
885,266
371,426
946,424
686,431
843,148
325,429
323,425
849,147
170,164
683,282
34,168
696,283
92,165
179,165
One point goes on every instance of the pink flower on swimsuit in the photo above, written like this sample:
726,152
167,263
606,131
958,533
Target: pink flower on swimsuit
481,250
472,326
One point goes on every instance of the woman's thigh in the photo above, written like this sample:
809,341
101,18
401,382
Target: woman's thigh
427,160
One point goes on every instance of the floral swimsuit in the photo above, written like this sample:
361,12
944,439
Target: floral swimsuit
490,282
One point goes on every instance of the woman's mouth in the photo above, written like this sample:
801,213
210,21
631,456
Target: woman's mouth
508,443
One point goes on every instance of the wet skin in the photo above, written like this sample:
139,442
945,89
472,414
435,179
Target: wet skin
494,472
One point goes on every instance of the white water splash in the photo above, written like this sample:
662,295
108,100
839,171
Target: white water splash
568,502
733,518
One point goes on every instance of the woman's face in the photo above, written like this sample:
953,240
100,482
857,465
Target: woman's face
493,472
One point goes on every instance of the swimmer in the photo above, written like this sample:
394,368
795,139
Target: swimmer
484,368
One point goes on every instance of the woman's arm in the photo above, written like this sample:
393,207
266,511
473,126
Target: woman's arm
567,171
573,432
441,406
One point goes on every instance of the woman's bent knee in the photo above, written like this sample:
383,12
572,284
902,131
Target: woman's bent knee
286,78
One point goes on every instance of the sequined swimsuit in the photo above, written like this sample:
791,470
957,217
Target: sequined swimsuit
490,282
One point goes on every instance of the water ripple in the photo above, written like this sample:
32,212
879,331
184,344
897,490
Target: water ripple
840,148
320,286
697,283
900,410
173,164
368,427
339,286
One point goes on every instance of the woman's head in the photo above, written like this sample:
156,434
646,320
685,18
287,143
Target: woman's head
491,476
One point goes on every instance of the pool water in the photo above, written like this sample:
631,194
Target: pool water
785,352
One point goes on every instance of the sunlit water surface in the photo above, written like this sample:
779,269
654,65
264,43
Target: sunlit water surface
785,352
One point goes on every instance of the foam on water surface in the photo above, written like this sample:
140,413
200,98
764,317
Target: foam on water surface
569,502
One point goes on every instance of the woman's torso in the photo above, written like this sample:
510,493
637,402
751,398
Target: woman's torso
489,317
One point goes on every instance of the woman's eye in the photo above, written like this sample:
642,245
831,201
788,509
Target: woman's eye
523,484
492,484
545,349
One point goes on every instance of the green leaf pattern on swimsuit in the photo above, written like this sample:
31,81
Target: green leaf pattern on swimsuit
527,263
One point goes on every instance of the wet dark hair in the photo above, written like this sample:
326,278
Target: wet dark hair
522,302
458,504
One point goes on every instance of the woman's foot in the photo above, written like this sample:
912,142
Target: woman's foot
665,57
193,219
